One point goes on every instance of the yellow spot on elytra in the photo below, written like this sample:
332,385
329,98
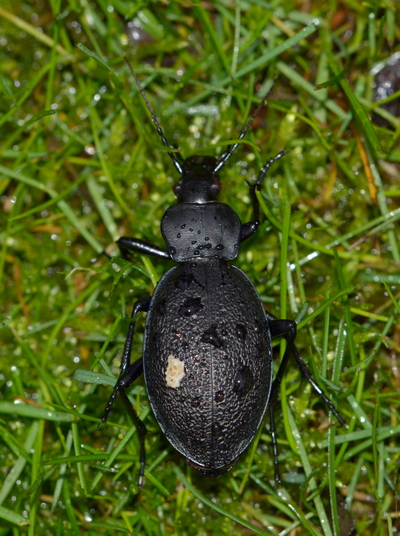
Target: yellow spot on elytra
175,372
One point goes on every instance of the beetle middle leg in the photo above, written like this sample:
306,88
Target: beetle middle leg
288,329
129,373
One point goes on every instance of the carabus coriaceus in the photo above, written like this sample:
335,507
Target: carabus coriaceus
207,357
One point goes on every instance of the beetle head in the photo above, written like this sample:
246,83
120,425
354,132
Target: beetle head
199,183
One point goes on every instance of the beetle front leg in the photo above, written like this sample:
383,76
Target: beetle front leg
127,244
249,228
130,373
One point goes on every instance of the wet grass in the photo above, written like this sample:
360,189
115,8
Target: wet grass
81,165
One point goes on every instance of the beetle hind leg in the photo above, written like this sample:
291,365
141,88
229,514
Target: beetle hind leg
288,329
305,372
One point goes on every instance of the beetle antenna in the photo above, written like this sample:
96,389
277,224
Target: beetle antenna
160,131
266,167
222,160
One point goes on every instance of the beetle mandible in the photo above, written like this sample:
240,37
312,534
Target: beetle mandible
207,357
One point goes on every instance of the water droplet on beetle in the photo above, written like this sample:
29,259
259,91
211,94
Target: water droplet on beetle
219,396
240,332
196,402
216,429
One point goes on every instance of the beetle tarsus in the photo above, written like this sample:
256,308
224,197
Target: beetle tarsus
274,441
109,405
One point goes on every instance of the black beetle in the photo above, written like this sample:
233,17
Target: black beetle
207,358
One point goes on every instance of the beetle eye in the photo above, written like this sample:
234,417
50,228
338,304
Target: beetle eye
216,187
177,189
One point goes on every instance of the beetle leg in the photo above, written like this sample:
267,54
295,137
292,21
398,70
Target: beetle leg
275,452
248,229
125,379
130,373
140,427
305,372
287,328
141,306
126,243
276,329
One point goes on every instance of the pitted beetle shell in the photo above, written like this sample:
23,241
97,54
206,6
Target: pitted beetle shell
208,315
201,230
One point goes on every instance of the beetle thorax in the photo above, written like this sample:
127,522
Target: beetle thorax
199,230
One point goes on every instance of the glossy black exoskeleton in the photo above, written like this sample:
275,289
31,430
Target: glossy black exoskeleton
207,358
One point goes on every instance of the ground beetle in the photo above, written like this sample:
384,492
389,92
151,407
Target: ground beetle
207,357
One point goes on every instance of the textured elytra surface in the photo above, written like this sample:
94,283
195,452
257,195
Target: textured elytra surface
207,314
